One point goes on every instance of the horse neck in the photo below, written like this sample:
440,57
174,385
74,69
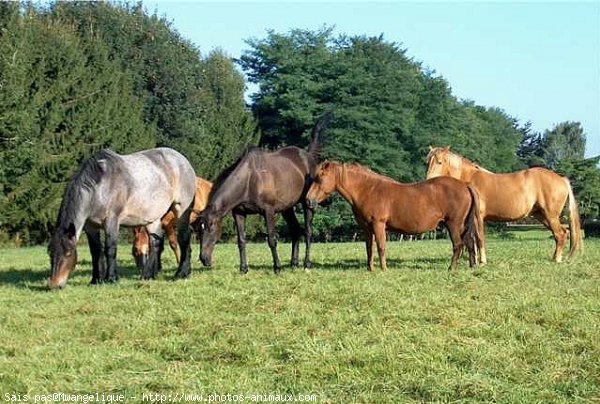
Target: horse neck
349,187
464,171
75,213
226,198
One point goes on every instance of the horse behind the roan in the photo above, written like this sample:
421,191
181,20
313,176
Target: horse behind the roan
379,203
265,183
110,190
141,238
513,196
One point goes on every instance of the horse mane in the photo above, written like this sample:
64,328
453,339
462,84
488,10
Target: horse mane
458,157
367,171
84,180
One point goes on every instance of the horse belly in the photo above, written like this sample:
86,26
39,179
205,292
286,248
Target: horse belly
414,219
508,206
142,211
414,225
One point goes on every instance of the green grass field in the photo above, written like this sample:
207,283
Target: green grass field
522,329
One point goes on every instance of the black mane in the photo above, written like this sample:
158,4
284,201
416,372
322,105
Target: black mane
85,179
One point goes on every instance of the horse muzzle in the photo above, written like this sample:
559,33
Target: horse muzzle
141,260
206,260
52,285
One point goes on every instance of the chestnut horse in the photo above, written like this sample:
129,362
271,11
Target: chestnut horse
379,203
111,190
141,241
505,197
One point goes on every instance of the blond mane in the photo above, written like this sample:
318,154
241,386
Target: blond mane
454,160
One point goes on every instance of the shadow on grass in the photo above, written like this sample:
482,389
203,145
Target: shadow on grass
36,278
361,265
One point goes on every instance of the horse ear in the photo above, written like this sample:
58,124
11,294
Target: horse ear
447,148
430,148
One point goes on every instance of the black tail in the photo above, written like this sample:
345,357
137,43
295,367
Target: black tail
471,236
316,143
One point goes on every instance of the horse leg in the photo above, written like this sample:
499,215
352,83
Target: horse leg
290,218
272,240
98,263
156,238
240,226
457,245
111,227
380,238
308,218
558,232
171,233
481,242
369,241
184,237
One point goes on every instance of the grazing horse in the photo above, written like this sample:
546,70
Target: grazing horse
506,197
110,190
264,183
141,242
379,203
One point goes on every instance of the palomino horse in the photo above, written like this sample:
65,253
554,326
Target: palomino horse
111,190
505,197
263,183
141,238
379,203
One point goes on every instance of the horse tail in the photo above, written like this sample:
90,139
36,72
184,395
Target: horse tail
471,237
316,143
576,239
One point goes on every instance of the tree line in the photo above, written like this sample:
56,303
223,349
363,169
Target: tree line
77,77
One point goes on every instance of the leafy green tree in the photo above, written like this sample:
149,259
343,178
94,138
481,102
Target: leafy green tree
565,141
62,101
77,76
530,150
585,180
195,102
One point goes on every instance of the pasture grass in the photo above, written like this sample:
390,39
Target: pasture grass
520,329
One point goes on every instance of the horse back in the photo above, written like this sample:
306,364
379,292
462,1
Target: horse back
147,184
280,178
511,196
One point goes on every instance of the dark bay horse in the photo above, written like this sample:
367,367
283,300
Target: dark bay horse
506,197
379,203
111,190
141,242
264,183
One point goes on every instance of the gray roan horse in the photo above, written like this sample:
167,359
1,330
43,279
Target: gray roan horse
264,183
110,190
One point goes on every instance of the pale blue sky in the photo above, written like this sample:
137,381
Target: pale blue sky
539,61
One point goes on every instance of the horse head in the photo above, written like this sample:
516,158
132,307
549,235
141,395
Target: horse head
141,246
208,227
439,162
324,183
63,255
